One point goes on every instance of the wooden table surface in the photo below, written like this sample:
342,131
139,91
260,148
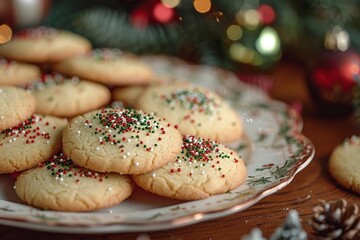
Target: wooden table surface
308,187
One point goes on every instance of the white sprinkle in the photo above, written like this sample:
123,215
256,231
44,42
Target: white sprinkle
128,153
14,186
2,117
203,172
76,121
153,175
137,163
109,130
124,157
97,148
78,132
109,189
47,142
129,140
10,140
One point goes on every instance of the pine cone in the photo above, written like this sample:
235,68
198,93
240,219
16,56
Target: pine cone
336,220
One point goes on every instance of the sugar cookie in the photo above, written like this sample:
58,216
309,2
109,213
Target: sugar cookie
194,109
31,142
16,105
203,168
68,97
44,45
107,66
120,140
344,164
58,184
16,74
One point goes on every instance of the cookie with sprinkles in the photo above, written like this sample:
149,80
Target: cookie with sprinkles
15,73
59,184
202,169
344,163
30,143
121,140
44,45
16,105
68,97
194,110
107,66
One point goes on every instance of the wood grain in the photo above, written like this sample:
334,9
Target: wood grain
307,189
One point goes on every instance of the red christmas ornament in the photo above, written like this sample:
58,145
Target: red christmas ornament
23,13
332,82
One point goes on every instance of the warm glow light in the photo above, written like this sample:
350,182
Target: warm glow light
202,6
5,33
240,53
162,13
251,19
268,42
170,3
234,32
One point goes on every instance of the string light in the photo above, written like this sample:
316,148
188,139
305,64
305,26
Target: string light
5,33
202,6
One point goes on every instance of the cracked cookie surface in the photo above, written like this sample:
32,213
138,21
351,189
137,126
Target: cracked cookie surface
30,143
203,168
68,97
59,184
16,105
121,140
344,163
196,110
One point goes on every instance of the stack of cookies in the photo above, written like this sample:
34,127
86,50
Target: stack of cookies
72,151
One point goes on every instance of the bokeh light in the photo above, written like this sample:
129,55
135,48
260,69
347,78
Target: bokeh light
5,33
268,42
170,3
240,53
202,6
234,32
163,14
251,19
267,14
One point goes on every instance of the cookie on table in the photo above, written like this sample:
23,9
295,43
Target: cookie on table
107,66
68,97
16,105
30,143
203,168
15,73
59,184
344,164
194,109
44,45
119,140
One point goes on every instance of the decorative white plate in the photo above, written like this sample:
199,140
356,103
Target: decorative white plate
273,149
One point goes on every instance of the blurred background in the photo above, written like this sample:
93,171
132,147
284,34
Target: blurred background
249,37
